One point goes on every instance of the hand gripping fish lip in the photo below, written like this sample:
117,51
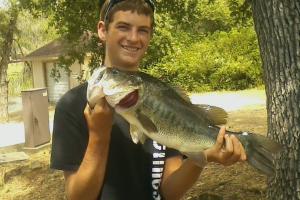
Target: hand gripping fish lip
129,100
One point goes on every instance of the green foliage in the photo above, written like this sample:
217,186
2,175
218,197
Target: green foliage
242,66
4,16
161,44
33,33
195,15
213,16
184,22
240,11
3,25
224,60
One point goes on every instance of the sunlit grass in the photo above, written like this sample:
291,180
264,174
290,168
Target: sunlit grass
16,82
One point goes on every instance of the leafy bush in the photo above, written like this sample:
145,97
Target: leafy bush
223,60
234,77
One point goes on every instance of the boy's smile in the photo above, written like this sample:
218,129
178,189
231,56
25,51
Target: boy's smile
126,39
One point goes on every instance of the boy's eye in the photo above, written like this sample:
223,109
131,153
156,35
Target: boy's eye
122,27
144,31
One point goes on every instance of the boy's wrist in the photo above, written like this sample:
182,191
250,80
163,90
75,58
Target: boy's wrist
200,161
209,155
95,137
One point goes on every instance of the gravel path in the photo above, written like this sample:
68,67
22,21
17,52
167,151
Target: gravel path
231,101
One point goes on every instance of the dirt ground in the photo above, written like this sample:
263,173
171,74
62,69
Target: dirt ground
33,180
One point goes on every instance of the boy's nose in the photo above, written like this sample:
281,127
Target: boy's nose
133,36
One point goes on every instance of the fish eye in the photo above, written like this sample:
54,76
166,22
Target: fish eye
136,79
115,71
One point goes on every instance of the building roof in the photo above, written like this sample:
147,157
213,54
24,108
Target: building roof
53,49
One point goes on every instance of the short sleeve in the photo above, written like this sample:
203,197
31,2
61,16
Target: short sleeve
70,133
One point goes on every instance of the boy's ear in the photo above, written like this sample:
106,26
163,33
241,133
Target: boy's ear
101,31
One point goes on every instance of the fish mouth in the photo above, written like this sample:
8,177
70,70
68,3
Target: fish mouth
129,100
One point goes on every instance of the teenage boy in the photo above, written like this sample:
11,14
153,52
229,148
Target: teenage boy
93,146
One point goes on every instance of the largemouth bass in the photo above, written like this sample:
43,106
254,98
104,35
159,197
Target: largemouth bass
157,111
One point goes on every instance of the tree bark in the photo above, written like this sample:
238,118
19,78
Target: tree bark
4,61
277,24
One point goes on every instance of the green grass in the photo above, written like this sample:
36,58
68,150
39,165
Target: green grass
16,82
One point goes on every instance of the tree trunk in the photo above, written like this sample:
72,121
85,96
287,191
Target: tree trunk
4,61
277,24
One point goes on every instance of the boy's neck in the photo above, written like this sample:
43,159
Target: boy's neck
127,68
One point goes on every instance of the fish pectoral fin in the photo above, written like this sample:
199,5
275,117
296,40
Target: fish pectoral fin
142,138
137,135
215,115
198,158
146,123
134,133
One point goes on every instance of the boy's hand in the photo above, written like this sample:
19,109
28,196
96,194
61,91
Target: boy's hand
226,152
100,118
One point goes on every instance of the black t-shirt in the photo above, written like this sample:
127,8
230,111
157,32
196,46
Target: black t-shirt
133,171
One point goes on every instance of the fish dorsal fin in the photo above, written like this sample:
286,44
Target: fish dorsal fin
146,123
214,114
182,93
137,135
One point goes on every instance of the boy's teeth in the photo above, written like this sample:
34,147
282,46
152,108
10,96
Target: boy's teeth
131,48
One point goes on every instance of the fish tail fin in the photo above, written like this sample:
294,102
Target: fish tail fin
260,151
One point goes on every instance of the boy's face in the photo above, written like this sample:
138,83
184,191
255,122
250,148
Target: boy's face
126,39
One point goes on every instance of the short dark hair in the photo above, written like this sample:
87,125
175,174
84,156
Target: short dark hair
139,6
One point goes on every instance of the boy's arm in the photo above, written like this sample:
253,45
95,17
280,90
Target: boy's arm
87,181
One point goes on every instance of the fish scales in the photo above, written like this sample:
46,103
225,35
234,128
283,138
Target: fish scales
181,124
